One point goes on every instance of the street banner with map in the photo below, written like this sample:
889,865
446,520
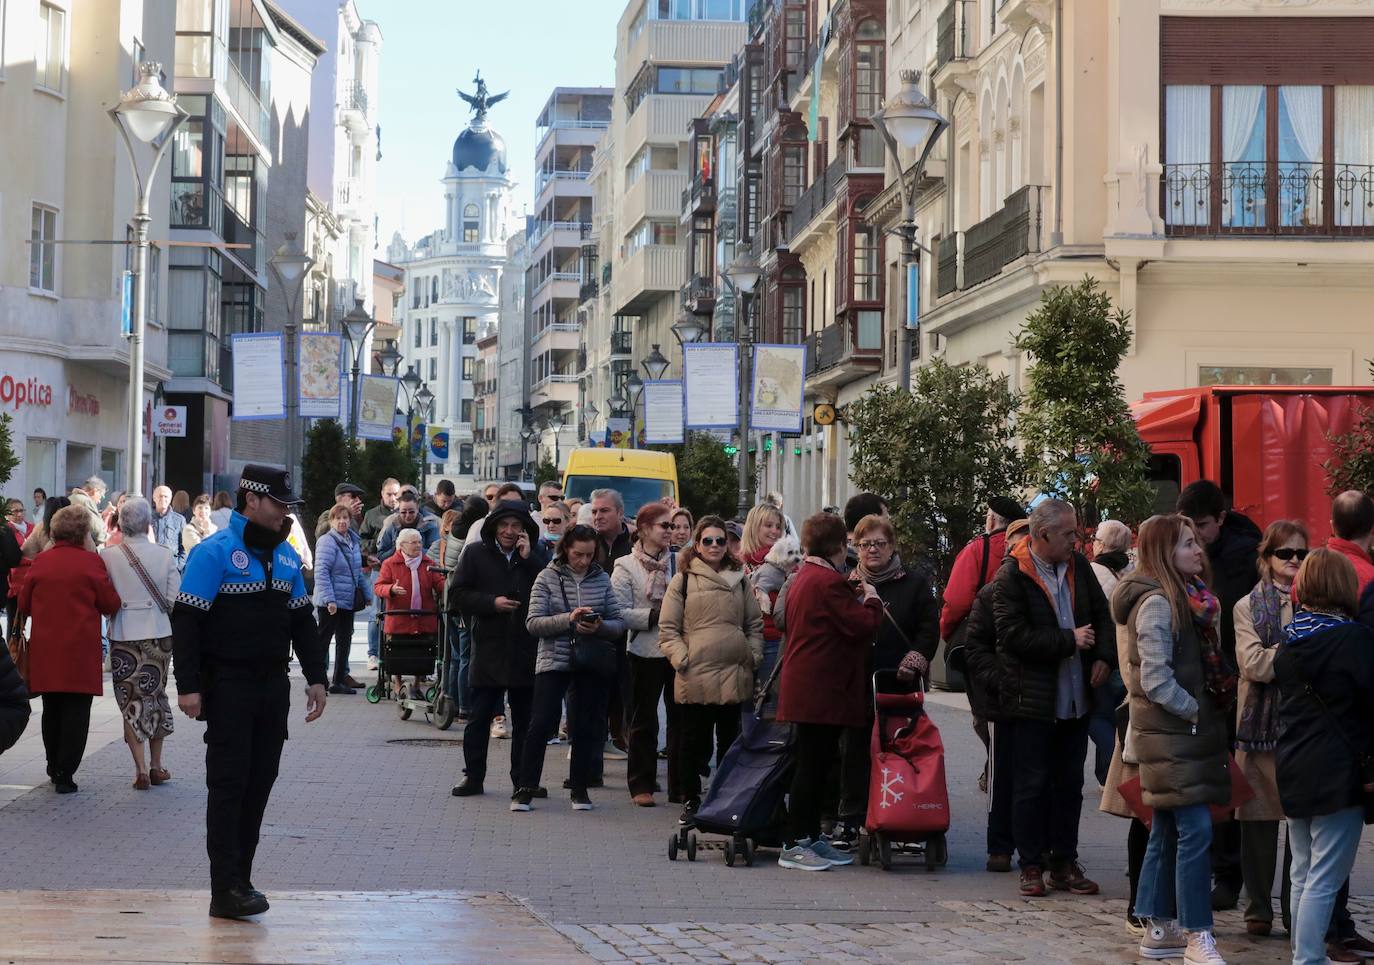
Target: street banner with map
319,359
663,411
377,407
711,384
778,390
259,377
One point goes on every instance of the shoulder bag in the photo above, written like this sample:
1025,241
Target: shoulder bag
359,597
18,643
147,580
589,654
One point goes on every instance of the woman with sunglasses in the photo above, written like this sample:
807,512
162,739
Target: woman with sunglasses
711,630
555,518
1260,619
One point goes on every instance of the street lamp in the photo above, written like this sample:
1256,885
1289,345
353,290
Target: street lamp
655,364
289,266
357,326
742,276
556,422
147,114
687,328
910,120
410,384
424,400
390,360
527,432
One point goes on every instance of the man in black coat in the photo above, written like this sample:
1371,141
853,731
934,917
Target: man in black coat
1055,641
14,702
490,586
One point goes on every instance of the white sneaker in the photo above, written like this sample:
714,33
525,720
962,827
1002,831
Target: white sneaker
1202,950
499,730
371,663
1163,939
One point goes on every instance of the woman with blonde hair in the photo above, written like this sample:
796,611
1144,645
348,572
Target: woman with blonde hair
1178,691
763,527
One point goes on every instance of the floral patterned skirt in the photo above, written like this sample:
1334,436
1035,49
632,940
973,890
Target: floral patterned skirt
138,669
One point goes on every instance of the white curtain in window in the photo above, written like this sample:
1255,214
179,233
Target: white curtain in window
1355,156
1188,141
1240,109
1242,187
1300,195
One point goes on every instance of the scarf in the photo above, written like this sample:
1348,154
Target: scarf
657,571
1116,561
1308,622
892,571
1258,727
414,567
1219,678
261,538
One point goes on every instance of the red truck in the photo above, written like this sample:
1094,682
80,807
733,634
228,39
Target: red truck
1263,444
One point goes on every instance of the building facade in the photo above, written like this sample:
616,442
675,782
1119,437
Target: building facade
512,363
64,367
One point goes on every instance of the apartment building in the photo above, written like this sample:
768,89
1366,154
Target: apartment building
512,363
567,130
64,367
486,400
607,339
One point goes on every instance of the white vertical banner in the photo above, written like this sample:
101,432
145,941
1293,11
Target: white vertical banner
711,385
259,377
377,407
663,411
779,387
320,364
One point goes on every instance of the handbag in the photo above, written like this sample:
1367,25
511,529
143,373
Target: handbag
589,654
18,644
1241,794
147,580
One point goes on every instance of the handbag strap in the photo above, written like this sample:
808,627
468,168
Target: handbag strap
148,583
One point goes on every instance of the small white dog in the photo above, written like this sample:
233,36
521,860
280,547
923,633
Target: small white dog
784,557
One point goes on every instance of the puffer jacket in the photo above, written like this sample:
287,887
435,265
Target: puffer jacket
339,570
711,630
14,702
557,591
1182,762
630,582
980,655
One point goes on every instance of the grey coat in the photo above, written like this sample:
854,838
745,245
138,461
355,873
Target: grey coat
555,594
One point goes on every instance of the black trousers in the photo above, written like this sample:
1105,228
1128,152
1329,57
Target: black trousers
339,627
66,725
854,767
584,725
245,727
488,703
815,753
1137,841
1047,793
651,679
1001,788
1227,864
704,728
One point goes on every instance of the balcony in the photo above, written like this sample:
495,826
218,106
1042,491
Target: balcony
844,352
699,295
348,197
564,284
699,197
253,254
563,181
582,133
588,290
557,337
622,345
947,269
353,107
648,274
566,234
657,194
813,202
1256,198
1012,232
560,388
243,97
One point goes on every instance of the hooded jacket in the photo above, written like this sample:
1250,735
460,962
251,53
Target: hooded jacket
503,649
1176,734
711,631
556,593
1234,557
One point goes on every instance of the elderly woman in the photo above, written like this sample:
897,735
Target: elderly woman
1111,554
1111,561
65,594
556,519
340,592
145,576
409,581
198,525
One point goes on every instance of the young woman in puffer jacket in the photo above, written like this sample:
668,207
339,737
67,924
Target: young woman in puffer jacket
576,617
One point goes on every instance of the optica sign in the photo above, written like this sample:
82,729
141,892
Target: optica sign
16,394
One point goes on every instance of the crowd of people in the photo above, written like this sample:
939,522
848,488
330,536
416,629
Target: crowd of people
1219,673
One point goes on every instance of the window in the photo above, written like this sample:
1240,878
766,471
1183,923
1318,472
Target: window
868,69
866,267
695,10
793,173
650,233
1354,156
415,294
50,62
195,25
43,253
40,464
140,53
433,332
153,282
467,368
433,369
688,80
650,159
110,462
434,290
471,219
465,458
469,329
419,332
794,36
465,411
793,312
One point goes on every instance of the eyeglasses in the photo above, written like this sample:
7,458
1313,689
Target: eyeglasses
713,541
1287,554
874,544
553,521
667,526
554,496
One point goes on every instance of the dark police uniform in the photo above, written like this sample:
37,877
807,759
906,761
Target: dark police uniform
239,613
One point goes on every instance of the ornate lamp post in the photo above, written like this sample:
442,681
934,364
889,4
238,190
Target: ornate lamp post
742,276
357,326
289,266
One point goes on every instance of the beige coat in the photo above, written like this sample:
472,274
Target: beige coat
1256,665
715,640
1119,772
139,616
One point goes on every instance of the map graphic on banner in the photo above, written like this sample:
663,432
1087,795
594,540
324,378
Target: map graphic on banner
779,387
320,362
663,411
437,440
711,385
259,377
377,407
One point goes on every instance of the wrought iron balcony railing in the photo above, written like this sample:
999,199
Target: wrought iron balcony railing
1260,198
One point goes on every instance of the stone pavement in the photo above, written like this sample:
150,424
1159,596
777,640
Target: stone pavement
363,806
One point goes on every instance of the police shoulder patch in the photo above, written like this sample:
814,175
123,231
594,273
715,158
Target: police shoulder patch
239,559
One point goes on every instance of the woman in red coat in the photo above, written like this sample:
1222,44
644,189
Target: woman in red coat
831,623
65,594
408,580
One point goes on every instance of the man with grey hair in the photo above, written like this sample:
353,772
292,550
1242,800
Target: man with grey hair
168,524
88,496
1055,641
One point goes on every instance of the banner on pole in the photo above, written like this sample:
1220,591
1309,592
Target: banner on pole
319,360
377,406
126,304
779,388
913,296
663,411
711,385
436,438
618,433
259,377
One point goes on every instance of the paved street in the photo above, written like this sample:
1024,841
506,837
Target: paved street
363,809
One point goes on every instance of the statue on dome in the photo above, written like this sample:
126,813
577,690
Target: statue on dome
483,100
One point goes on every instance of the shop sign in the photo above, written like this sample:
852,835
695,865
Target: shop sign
171,421
78,403
17,393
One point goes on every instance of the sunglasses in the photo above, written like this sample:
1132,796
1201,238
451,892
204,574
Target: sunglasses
713,541
665,526
1287,554
554,521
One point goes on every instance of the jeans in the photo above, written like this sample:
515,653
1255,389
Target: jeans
1323,855
488,703
1342,925
651,679
1001,787
1047,793
816,748
584,725
1102,724
374,636
1178,868
339,627
464,662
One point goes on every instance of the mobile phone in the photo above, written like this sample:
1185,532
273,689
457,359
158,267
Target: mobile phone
591,618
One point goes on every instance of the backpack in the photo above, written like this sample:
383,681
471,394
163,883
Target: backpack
956,657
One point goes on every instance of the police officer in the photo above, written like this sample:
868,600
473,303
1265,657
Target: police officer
241,610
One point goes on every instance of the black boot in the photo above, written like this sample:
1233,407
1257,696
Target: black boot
237,902
468,788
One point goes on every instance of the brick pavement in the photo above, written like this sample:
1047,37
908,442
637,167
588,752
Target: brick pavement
355,812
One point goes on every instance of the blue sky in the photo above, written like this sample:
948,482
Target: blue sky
432,47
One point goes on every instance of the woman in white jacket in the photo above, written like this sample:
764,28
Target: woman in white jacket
146,577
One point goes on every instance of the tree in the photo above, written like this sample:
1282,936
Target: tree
546,471
936,454
1351,465
8,460
383,459
1081,442
708,482
322,466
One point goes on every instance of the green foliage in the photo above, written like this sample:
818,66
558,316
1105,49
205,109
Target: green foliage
322,466
937,454
1351,465
380,460
708,480
546,471
8,460
1081,442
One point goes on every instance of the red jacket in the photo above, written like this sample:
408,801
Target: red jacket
825,659
394,571
964,581
1364,566
67,590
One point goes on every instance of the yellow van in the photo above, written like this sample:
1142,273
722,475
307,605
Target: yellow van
639,475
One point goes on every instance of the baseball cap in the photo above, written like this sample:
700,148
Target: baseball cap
268,481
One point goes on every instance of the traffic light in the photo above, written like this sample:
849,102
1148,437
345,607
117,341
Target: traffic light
731,449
